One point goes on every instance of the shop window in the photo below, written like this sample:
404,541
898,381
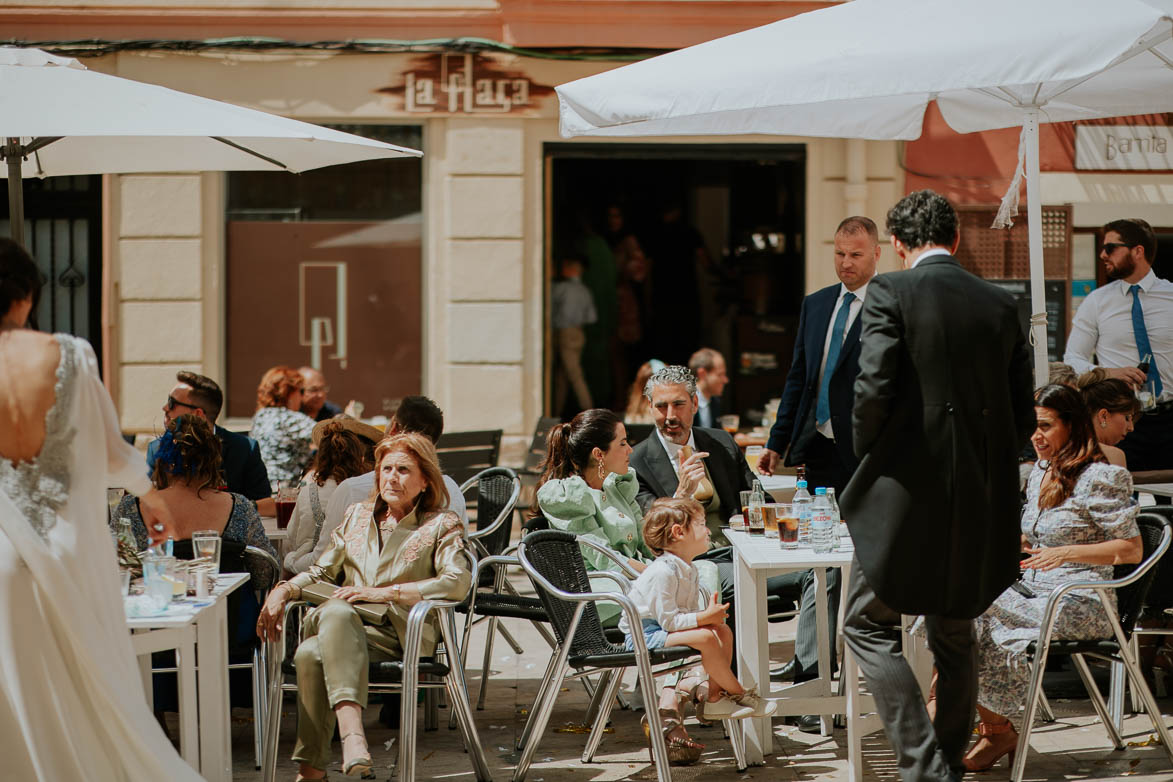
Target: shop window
323,269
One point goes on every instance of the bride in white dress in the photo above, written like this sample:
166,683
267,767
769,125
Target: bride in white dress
71,699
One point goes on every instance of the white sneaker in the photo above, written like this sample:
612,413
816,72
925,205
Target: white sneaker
724,708
753,705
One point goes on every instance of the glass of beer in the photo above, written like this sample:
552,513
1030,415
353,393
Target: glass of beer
730,423
787,525
770,518
753,455
285,500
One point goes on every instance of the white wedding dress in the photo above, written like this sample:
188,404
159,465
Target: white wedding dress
71,698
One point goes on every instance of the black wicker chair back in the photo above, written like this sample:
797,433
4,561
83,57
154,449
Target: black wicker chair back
535,523
1160,594
1131,599
557,556
493,495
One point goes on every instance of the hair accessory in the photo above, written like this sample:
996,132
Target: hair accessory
169,453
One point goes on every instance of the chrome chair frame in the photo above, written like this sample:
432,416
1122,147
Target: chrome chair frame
410,684
1125,653
611,677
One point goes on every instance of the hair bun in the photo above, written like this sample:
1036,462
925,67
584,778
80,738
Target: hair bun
1091,377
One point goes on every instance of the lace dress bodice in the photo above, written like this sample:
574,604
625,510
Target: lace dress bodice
40,486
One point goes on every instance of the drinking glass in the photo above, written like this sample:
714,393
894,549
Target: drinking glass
113,500
753,455
286,498
159,589
737,522
205,545
730,423
787,525
770,518
124,577
746,496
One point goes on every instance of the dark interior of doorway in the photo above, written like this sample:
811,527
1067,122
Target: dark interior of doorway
728,274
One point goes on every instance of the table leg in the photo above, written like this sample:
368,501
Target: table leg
212,684
189,741
753,654
854,751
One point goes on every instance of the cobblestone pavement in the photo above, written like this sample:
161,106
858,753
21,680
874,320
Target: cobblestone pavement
1074,747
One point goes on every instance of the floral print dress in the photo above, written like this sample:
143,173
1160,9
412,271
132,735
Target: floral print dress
285,439
1099,509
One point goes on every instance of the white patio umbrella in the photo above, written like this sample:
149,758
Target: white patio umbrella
868,69
65,119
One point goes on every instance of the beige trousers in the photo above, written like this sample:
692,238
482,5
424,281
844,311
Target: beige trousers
332,661
570,344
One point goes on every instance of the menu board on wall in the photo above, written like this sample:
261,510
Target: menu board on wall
1056,298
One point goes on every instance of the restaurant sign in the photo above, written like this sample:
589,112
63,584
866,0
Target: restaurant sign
464,84
1123,147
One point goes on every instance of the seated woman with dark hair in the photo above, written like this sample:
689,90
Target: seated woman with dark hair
188,476
1113,407
399,548
281,430
1079,521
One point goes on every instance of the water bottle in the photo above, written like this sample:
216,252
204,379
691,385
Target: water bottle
802,509
821,529
125,534
836,520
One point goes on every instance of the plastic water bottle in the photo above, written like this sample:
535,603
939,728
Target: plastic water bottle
821,530
836,520
802,509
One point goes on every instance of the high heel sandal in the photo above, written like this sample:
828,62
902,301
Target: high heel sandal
362,767
988,730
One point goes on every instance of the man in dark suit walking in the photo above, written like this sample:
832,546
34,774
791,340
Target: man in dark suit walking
943,405
813,425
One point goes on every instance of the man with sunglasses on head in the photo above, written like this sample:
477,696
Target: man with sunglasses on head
244,471
1127,325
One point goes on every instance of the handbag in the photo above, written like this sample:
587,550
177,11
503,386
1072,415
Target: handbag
371,613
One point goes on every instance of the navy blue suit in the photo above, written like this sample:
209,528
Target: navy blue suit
794,427
244,472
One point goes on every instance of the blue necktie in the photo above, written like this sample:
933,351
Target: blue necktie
1143,348
823,407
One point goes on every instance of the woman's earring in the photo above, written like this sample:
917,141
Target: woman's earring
1103,424
602,478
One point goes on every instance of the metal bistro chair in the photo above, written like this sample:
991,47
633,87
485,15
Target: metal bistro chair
1131,583
553,561
406,677
1158,601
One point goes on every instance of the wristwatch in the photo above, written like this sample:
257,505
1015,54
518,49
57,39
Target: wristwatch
395,592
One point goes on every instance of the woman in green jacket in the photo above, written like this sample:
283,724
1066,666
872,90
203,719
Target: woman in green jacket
588,488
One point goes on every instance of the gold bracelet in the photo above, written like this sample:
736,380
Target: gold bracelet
396,592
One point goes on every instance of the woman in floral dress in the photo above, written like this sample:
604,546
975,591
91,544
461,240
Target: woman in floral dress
283,433
1078,522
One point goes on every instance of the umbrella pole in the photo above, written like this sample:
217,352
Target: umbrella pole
12,155
1034,223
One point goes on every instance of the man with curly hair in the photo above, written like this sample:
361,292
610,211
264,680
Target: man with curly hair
943,405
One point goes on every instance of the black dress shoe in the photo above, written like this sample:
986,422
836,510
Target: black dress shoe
785,673
807,723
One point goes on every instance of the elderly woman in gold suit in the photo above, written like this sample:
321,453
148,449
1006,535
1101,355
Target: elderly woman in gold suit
398,548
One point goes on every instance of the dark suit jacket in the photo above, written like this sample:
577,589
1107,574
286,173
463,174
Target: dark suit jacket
794,426
244,471
726,463
943,404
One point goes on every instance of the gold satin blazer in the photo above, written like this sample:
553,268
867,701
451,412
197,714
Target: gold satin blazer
430,553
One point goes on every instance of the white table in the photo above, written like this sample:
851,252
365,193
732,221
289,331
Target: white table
755,558
196,624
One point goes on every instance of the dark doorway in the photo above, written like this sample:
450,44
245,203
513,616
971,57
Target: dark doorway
704,245
63,232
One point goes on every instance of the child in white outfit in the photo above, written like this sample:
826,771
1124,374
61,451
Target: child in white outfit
675,611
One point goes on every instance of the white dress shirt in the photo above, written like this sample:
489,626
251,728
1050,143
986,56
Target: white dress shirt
825,430
704,413
929,254
1103,326
674,450
669,591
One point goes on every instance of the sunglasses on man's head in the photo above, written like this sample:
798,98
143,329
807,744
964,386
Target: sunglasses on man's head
1111,247
172,403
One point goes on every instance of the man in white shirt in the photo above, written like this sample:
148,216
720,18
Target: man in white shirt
711,378
1126,328
415,414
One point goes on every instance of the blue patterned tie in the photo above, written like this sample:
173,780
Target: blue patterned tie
1143,348
823,406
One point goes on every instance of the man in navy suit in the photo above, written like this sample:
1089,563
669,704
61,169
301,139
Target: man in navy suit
813,427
